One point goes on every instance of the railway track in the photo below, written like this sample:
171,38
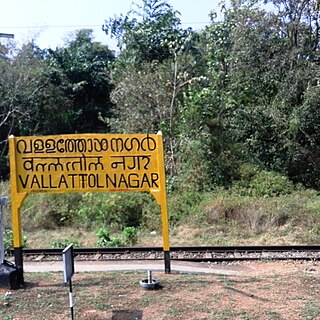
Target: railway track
199,254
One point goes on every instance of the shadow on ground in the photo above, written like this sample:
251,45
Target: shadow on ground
127,314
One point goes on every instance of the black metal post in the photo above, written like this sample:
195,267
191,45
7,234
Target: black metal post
3,202
18,259
167,263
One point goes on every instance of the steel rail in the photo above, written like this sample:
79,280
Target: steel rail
197,253
226,249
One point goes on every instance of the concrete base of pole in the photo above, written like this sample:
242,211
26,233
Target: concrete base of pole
9,276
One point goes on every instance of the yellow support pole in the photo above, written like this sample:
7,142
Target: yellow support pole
16,203
161,198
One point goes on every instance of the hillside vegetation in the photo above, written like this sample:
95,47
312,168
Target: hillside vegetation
268,210
237,103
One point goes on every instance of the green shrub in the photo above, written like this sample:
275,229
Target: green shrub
130,235
8,240
103,237
49,211
260,183
151,215
183,204
118,210
94,208
126,210
291,213
115,209
105,240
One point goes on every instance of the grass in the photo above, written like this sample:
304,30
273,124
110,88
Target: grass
117,295
221,217
311,310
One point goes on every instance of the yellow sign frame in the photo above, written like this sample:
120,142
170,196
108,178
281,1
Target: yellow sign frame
87,163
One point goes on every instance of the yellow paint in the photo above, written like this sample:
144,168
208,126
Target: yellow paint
16,219
161,195
16,198
87,163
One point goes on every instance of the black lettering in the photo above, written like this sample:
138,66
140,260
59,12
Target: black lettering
81,145
50,146
50,183
113,182
63,181
116,144
28,164
122,180
148,143
95,165
91,180
40,166
154,180
104,145
131,145
35,181
38,146
83,180
98,180
133,180
116,164
145,180
90,148
70,145
24,182
72,179
21,147
56,166
147,162
60,149
43,184
98,143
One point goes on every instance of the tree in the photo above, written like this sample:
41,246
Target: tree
209,156
53,92
21,84
154,66
261,73
147,33
81,71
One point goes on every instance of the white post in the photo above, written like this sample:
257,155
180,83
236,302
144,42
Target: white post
3,202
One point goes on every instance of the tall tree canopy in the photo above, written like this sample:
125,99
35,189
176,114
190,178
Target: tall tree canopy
81,71
245,89
264,67
66,90
155,64
147,33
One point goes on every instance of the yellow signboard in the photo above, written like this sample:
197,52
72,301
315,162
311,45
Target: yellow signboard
87,163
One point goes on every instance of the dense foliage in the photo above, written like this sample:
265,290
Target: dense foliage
244,90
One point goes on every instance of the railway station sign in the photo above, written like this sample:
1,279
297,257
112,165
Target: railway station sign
86,163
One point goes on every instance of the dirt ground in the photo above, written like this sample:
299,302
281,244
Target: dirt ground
264,290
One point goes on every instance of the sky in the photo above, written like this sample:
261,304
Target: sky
50,22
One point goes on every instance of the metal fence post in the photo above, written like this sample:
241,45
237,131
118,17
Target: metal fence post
3,202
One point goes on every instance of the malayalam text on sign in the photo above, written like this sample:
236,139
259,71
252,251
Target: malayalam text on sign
90,162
